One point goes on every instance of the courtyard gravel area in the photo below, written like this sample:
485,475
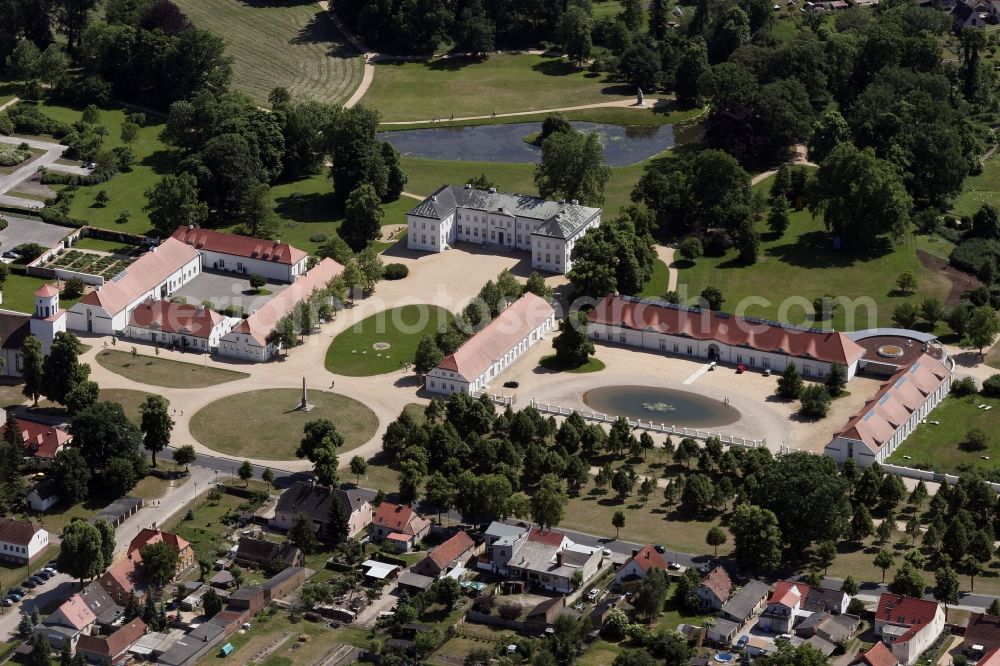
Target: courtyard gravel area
225,289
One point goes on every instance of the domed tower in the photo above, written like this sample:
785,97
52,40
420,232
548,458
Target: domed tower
48,319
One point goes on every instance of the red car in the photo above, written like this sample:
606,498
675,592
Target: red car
740,369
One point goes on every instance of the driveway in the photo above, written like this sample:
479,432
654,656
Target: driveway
225,289
24,230
53,151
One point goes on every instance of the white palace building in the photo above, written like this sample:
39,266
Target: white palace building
547,229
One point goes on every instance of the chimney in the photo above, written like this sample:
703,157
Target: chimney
647,554
493,190
468,186
559,559
635,552
190,226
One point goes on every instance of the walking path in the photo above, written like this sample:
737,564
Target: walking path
800,159
665,253
53,152
368,72
11,102
620,103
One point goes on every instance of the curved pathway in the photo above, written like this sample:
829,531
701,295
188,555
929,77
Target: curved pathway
801,159
620,103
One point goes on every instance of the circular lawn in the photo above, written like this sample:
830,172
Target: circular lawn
264,424
360,351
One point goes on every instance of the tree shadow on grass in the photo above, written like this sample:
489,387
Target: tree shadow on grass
451,63
814,250
320,30
554,67
161,161
314,207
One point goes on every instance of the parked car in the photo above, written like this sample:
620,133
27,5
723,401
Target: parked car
30,584
8,601
45,575
10,254
592,595
51,570
783,637
20,591
660,549
742,643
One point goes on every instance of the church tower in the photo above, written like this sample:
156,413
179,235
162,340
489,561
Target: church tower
48,319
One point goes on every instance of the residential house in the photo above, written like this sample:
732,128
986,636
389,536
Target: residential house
453,553
723,631
501,540
316,501
123,579
718,336
190,327
991,658
153,276
545,614
907,625
484,356
252,339
22,541
147,537
878,654
549,560
824,599
784,606
64,626
44,495
400,524
245,255
547,229
42,441
636,567
604,607
101,604
110,649
888,417
746,603
829,628
259,553
982,635
968,15
714,589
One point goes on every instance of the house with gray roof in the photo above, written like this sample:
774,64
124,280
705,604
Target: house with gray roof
546,229
746,602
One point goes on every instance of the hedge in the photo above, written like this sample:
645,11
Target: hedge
974,254
395,271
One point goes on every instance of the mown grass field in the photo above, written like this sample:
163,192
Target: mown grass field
281,44
164,372
19,293
937,446
467,87
979,190
801,265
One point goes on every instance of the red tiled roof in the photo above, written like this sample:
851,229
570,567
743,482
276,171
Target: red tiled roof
891,407
877,655
76,612
125,572
399,518
905,612
18,531
181,318
788,593
991,658
147,536
399,536
115,644
145,273
451,549
240,246
827,346
547,537
260,324
717,581
46,291
40,440
647,558
498,337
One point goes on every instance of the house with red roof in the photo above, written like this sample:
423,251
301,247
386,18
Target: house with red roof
400,525
153,276
147,537
452,554
878,654
164,323
549,560
636,567
714,589
122,579
982,635
109,649
722,337
219,251
486,354
784,606
68,623
22,541
41,440
991,658
907,625
888,417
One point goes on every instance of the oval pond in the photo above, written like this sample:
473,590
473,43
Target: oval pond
661,405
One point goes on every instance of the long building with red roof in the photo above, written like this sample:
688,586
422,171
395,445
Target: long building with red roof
187,326
888,417
244,254
909,626
718,336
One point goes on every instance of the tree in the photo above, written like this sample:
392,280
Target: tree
983,327
836,381
129,132
81,555
159,562
474,32
884,532
715,538
211,603
815,401
156,424
575,27
41,653
32,371
790,382
302,533
612,257
932,311
82,396
905,314
72,474
338,526
828,131
946,587
690,248
184,455
618,522
850,586
245,472
102,198
427,356
173,202
267,476
976,439
712,298
61,369
639,67
548,503
317,435
651,593
757,538
777,218
906,283
572,167
107,532
573,346
370,266
363,217
536,285
860,196
883,560
994,608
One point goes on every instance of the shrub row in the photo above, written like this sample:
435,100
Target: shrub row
978,256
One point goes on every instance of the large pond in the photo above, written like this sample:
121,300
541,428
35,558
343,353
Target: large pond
661,405
505,143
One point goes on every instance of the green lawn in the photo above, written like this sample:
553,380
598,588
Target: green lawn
164,372
205,532
269,425
600,653
8,90
467,87
979,190
281,44
800,266
19,294
936,446
426,176
657,285
115,247
352,352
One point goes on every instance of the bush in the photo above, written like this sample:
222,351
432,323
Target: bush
29,252
484,603
395,271
318,238
963,387
6,125
510,610
976,439
74,288
717,242
991,387
232,311
28,119
978,256
12,155
690,248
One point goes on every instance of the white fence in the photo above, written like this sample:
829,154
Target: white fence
927,475
661,428
502,400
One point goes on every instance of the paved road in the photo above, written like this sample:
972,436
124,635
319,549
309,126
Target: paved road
30,230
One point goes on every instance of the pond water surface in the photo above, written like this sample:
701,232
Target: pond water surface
623,144
661,405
